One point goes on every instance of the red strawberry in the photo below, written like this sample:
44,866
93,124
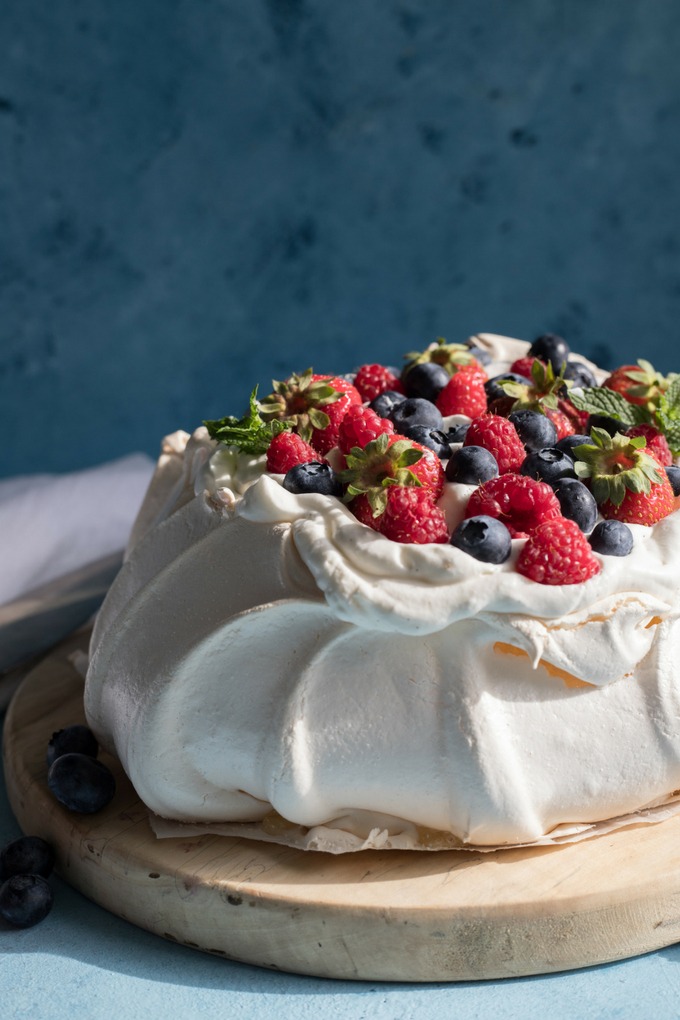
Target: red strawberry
372,380
360,426
428,470
561,421
520,502
499,437
642,507
314,404
640,384
324,439
657,444
286,450
411,515
464,393
558,553
523,366
363,511
389,460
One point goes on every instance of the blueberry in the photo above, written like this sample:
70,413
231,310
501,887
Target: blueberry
384,402
548,465
603,421
313,477
28,855
426,380
579,374
485,538
457,433
674,478
480,355
471,465
551,348
494,391
416,411
612,538
577,502
434,439
76,738
81,783
25,900
569,443
534,429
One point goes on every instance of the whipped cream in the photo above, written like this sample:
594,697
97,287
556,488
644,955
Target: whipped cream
265,652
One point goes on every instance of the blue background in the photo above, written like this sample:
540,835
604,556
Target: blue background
196,195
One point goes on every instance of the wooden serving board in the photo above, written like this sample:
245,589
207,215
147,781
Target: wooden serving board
375,915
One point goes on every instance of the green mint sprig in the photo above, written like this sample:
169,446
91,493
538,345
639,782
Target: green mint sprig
600,400
251,433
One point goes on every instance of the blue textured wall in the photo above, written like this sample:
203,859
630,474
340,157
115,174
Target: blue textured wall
197,194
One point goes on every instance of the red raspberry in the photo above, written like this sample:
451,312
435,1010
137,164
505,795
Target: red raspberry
656,443
359,426
561,422
499,437
558,553
428,470
521,503
325,439
412,516
372,380
361,509
578,419
523,366
286,450
464,393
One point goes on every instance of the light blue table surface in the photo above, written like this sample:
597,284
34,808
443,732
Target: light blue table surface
83,962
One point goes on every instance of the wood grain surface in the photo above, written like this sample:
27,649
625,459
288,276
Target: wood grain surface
375,915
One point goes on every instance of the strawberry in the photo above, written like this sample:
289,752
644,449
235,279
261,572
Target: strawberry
411,515
561,421
363,511
313,404
498,436
520,502
642,507
657,444
360,426
387,461
452,357
286,450
463,394
372,380
523,366
639,384
558,553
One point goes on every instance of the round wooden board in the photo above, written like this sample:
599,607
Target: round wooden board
393,915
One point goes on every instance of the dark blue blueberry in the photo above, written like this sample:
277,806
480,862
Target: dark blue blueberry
313,477
551,348
603,421
426,380
495,392
674,478
28,855
457,433
471,465
434,439
78,739
534,429
25,900
548,465
416,411
485,538
579,374
612,538
384,402
569,443
81,783
577,502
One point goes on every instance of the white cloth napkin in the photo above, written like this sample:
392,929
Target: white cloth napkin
54,524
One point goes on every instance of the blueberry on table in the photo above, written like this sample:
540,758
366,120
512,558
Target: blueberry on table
577,502
433,439
674,478
313,477
612,538
569,444
25,900
485,538
535,430
551,348
416,411
81,783
471,465
493,389
27,855
384,402
425,380
72,739
548,465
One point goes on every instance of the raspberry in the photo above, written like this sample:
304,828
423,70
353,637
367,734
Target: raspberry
498,436
372,380
428,470
363,512
521,503
464,393
359,426
523,366
411,515
314,405
558,553
656,443
286,450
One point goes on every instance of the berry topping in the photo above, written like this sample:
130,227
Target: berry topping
494,386
579,374
673,475
568,444
639,384
464,393
577,502
521,503
411,515
81,783
286,450
361,426
391,460
604,421
612,538
534,429
523,366
313,477
656,443
28,855
313,405
425,380
485,538
498,436
471,465
433,439
416,411
551,348
561,421
25,900
558,553
372,380
451,357
457,433
548,465
73,738
384,402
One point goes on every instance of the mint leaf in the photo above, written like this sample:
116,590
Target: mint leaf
600,400
249,433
